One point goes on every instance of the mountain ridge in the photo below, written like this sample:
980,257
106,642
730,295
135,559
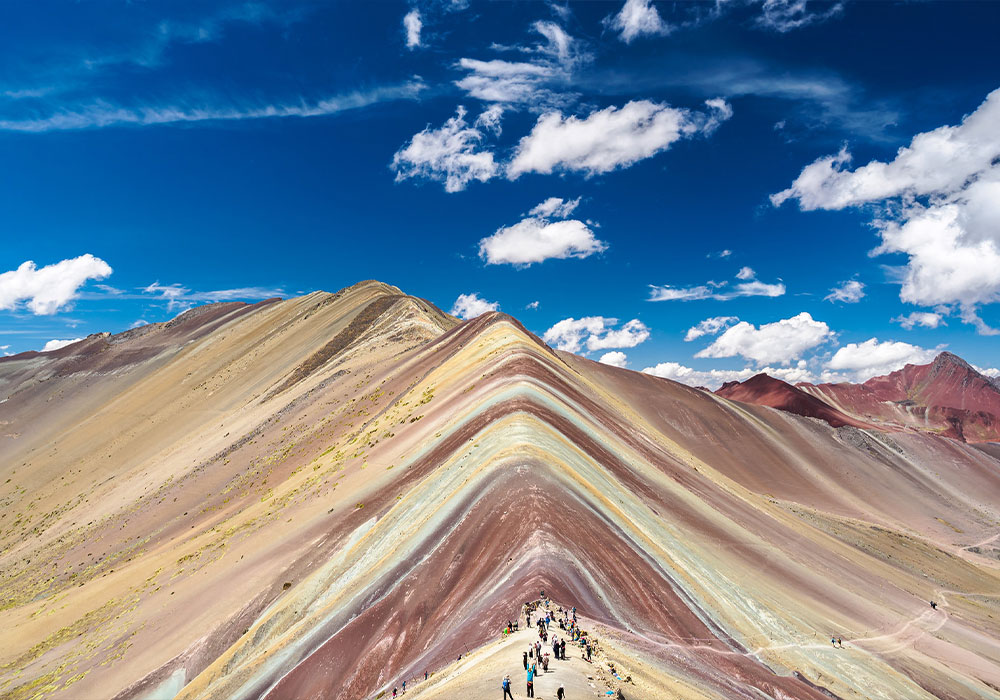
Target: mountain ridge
398,502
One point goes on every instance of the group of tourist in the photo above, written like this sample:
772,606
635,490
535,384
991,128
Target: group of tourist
534,657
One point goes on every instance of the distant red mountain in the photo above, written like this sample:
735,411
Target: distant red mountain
765,390
948,397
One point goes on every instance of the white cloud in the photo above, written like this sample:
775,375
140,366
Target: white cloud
780,342
180,297
504,81
555,207
927,319
49,289
991,372
471,305
56,344
714,378
721,254
138,324
786,15
412,24
537,237
719,291
710,326
489,119
940,206
537,84
610,138
533,305
849,292
615,358
873,358
449,154
560,44
596,333
637,18
102,114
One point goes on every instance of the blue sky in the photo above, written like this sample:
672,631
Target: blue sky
704,190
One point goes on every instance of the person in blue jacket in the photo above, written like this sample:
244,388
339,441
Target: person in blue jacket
531,681
505,685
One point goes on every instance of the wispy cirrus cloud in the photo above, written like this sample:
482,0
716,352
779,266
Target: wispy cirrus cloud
748,286
179,297
101,113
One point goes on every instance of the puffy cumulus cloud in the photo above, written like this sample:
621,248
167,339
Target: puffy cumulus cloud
412,24
610,138
635,19
533,305
537,237
786,15
849,292
719,291
938,203
468,306
710,326
779,342
991,372
927,319
615,358
57,344
873,358
714,378
46,290
450,154
595,333
555,207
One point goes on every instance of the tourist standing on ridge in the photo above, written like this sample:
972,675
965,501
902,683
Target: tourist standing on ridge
506,688
531,681
561,693
525,661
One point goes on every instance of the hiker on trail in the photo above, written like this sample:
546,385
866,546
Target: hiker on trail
561,693
525,661
394,692
545,663
588,651
404,687
562,649
934,605
833,642
505,685
531,651
840,643
425,675
531,681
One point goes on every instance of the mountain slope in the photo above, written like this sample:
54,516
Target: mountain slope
324,495
947,396
764,390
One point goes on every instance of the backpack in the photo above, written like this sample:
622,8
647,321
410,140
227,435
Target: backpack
505,684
